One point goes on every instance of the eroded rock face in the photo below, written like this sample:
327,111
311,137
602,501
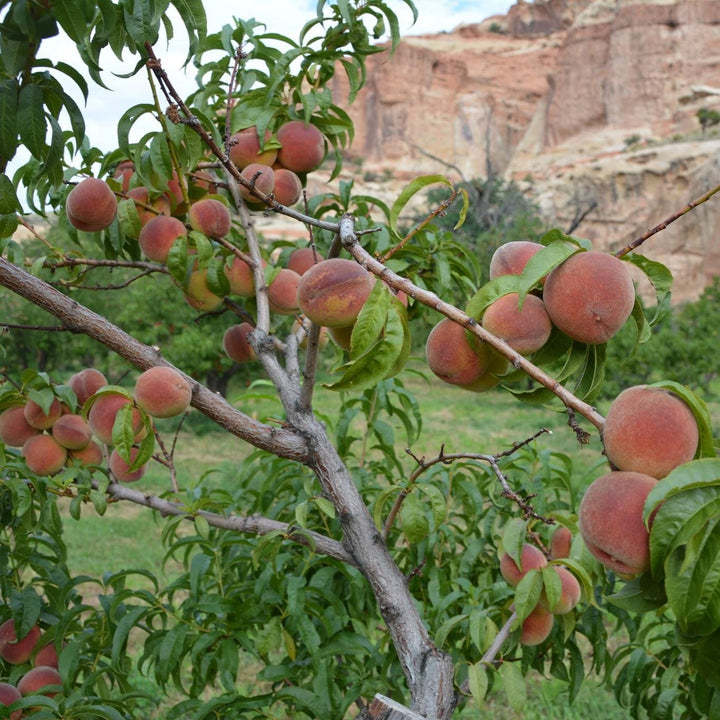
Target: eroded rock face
586,102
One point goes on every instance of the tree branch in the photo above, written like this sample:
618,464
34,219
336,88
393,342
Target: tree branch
255,524
661,226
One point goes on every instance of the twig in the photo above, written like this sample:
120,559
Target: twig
441,209
447,459
653,231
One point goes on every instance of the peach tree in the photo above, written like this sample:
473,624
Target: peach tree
337,570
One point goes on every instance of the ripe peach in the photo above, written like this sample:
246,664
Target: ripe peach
288,187
14,428
303,146
332,292
569,594
44,455
8,695
537,626
17,650
236,344
560,543
35,681
157,237
649,430
244,148
91,205
512,257
610,518
72,432
283,292
86,382
198,295
302,259
103,412
121,470
162,392
456,361
175,195
590,296
240,277
40,419
92,454
531,558
526,330
210,217
263,179
124,171
141,195
46,655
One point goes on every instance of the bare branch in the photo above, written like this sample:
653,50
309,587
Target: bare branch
255,524
661,226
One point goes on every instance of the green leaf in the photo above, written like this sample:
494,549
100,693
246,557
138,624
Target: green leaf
490,292
546,260
413,521
371,320
514,538
640,595
446,628
73,18
123,431
8,225
695,474
411,189
527,593
141,22
8,118
8,199
552,586
681,517
192,13
438,502
26,606
514,684
478,681
659,276
377,362
31,120
128,621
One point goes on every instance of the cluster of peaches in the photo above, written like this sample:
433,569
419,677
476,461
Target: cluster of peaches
62,437
536,627
32,649
277,168
648,432
588,297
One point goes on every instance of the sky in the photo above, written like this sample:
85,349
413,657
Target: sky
286,17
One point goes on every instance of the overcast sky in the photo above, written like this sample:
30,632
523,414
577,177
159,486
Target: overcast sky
282,16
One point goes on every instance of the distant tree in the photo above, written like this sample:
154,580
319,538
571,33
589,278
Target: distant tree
707,118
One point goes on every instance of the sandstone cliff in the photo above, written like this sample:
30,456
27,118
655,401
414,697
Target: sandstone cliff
583,102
